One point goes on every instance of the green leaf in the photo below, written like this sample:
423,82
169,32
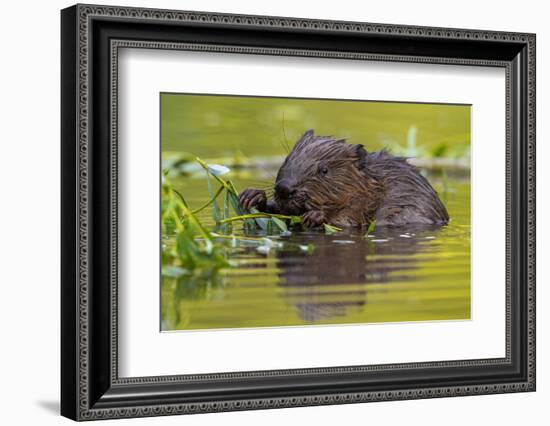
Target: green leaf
226,227
295,220
331,229
237,208
216,215
371,228
280,224
186,249
226,203
262,222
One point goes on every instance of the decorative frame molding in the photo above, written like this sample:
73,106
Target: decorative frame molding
91,388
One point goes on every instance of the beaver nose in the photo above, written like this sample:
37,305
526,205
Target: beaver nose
284,190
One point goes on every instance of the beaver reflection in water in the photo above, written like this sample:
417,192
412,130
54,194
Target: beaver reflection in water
327,180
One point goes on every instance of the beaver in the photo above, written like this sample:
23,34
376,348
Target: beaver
327,180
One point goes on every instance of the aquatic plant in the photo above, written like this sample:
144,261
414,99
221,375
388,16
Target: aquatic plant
197,248
371,228
251,219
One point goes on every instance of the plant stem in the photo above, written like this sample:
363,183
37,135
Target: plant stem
204,233
256,216
179,195
218,192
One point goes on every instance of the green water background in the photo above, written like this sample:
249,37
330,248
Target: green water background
413,274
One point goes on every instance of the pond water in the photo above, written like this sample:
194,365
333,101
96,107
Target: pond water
412,274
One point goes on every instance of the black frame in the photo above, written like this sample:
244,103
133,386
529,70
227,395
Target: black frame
91,37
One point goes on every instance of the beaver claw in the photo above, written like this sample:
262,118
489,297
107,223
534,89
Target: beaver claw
313,218
253,198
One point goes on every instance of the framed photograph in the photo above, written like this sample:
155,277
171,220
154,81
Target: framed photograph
263,212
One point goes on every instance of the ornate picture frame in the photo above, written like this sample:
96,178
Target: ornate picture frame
91,37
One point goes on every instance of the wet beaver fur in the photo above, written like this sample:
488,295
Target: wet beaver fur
327,180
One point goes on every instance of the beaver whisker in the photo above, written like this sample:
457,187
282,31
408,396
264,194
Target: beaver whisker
285,146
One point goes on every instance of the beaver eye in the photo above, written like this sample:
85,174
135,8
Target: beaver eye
323,170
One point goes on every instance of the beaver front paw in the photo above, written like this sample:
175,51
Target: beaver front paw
251,197
313,219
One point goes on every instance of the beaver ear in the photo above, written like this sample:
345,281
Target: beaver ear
361,154
305,138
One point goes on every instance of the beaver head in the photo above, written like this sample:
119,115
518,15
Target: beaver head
320,173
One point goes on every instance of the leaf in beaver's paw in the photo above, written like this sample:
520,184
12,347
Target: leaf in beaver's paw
280,224
218,170
262,222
